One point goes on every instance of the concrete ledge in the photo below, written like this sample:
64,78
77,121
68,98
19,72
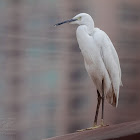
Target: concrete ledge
124,131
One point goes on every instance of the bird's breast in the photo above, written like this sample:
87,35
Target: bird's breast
89,49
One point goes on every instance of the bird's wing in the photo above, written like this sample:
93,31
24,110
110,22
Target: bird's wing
110,60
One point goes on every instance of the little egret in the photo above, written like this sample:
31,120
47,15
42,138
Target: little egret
101,62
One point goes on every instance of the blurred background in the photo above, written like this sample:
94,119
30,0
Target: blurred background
45,90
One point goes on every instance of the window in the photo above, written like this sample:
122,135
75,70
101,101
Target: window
129,13
77,102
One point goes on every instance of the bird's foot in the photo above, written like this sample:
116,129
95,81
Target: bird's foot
97,126
94,127
90,128
81,130
102,123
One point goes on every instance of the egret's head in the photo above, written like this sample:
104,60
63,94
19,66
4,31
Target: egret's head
80,19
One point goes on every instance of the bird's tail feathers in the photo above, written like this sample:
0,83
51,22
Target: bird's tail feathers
112,98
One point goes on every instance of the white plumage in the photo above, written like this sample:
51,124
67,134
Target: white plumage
101,61
100,58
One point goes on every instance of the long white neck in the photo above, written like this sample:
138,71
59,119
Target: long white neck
90,26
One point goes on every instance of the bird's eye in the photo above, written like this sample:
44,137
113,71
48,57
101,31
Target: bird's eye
79,18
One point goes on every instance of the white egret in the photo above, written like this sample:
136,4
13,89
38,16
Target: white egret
101,61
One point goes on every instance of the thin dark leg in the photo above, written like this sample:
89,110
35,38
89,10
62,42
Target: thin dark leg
102,118
96,115
97,108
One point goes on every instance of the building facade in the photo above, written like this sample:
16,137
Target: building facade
44,87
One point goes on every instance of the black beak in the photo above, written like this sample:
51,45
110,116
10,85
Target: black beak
67,21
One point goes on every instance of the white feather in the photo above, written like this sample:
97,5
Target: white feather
101,59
